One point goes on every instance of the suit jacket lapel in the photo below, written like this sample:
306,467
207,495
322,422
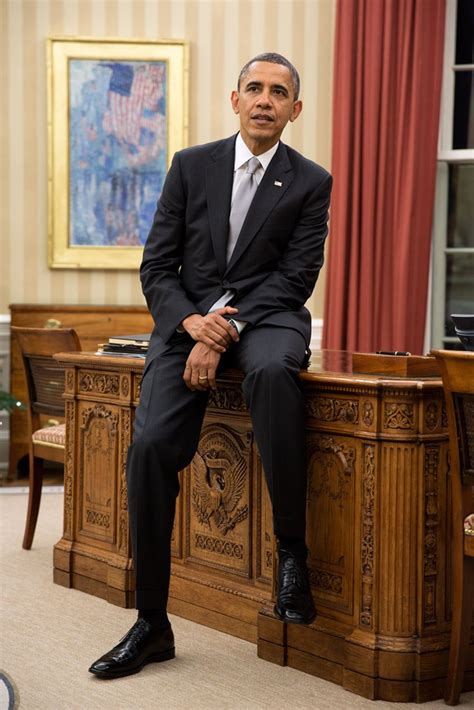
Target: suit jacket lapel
275,182
219,180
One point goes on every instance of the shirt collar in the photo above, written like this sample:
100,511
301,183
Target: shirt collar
243,154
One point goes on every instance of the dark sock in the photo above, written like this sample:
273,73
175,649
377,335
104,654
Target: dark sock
156,617
296,546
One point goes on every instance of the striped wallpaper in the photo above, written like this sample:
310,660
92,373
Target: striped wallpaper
223,34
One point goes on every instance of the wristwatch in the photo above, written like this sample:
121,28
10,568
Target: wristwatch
232,322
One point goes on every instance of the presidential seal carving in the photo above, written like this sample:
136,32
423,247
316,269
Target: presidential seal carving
218,488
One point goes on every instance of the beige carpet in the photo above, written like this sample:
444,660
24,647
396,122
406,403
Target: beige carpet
50,635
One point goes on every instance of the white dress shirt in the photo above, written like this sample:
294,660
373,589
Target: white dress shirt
242,156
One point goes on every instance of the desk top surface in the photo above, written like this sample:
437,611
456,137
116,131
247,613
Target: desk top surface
325,365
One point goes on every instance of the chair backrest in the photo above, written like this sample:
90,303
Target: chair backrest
457,371
44,376
464,413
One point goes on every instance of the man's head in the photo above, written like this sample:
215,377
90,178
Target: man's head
273,58
266,99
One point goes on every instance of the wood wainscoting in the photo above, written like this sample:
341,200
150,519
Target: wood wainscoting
378,522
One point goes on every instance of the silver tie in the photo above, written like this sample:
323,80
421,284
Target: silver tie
242,200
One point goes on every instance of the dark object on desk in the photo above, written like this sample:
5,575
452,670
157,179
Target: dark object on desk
122,350
394,365
403,353
464,328
141,340
45,380
126,345
457,370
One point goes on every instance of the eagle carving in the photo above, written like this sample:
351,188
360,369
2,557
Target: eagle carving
218,487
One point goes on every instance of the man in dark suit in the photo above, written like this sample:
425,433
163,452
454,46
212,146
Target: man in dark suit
226,283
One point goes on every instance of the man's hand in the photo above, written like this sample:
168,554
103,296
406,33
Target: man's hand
201,366
212,329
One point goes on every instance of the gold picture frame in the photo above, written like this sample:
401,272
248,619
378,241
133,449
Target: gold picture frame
117,112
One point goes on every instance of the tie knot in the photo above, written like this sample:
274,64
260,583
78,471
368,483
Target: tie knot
252,165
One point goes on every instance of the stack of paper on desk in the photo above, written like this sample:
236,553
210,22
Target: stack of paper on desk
126,345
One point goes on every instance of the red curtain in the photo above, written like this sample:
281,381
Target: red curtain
387,85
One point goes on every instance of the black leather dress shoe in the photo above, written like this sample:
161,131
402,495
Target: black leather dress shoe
294,603
141,645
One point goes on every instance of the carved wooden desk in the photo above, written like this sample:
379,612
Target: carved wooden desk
377,522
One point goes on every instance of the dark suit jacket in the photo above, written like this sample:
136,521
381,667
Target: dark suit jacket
278,254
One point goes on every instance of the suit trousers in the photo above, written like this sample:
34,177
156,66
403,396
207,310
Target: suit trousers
167,426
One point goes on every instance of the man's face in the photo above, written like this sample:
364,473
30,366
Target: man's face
265,103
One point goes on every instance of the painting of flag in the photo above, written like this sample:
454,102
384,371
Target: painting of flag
118,145
117,113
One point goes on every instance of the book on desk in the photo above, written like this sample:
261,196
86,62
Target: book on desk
135,345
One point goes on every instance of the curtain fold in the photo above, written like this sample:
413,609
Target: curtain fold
387,86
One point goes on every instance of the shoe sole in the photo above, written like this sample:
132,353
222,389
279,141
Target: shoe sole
155,658
282,617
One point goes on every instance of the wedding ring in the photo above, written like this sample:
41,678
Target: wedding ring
202,378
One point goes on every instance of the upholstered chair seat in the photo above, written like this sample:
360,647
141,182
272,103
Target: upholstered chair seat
51,435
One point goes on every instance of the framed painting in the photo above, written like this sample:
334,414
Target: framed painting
117,112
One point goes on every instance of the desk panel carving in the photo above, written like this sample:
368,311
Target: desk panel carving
367,552
125,440
368,413
100,384
221,498
99,462
398,415
70,412
331,462
229,398
325,409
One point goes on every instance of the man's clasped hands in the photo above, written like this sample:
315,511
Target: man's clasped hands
213,335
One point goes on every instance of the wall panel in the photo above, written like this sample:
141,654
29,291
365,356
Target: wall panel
223,34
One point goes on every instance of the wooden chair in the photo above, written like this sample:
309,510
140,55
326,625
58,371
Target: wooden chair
45,380
457,370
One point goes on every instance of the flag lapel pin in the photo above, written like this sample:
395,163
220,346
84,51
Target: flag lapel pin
278,183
